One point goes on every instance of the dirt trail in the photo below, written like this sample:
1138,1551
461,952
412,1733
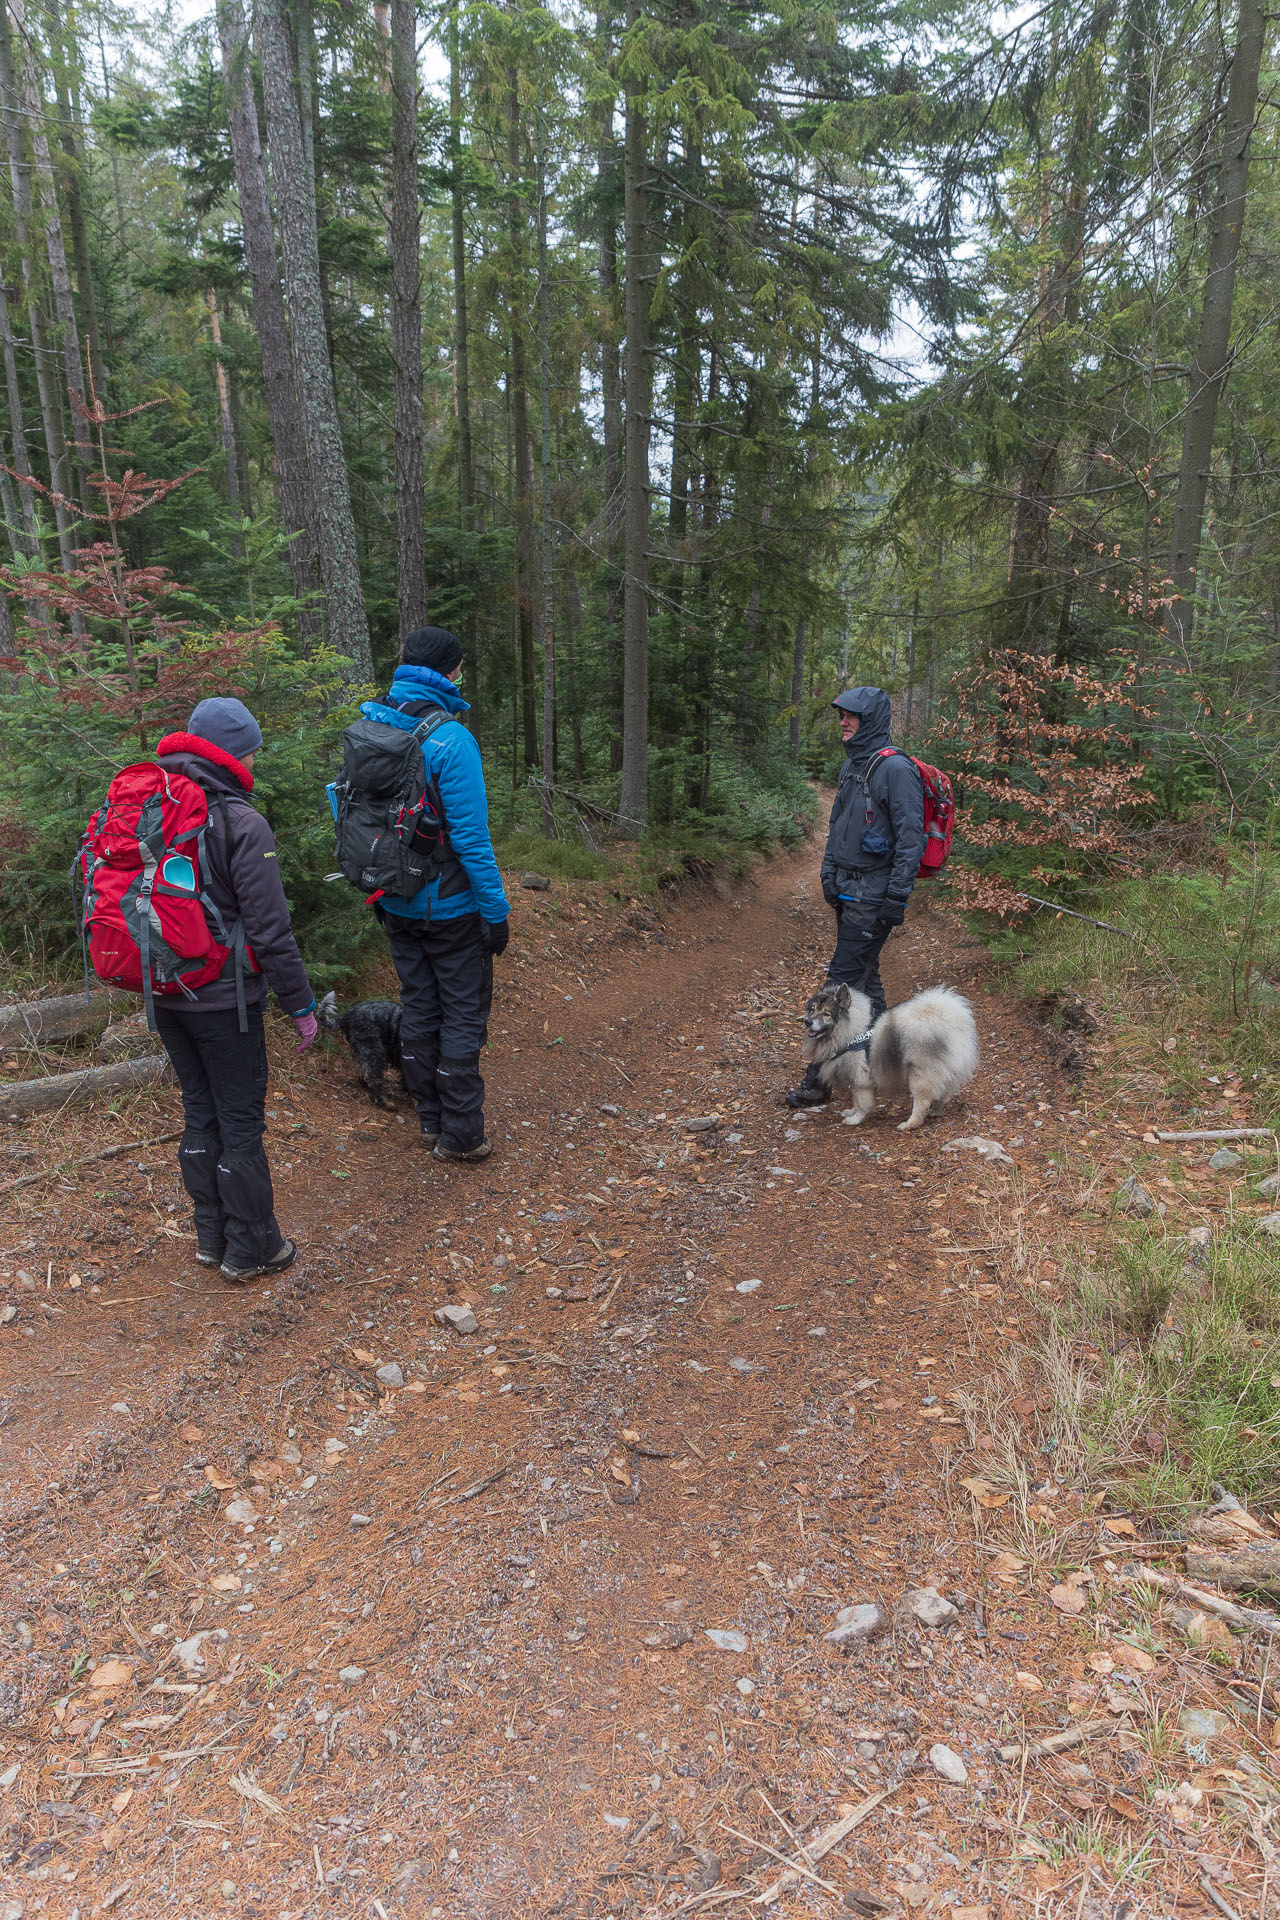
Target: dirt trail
460,1646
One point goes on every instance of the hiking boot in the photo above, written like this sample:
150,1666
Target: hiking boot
283,1257
427,1141
806,1096
464,1156
210,1256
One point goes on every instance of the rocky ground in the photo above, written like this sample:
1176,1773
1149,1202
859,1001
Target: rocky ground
688,1579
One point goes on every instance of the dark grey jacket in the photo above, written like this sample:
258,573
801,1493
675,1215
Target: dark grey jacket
246,887
877,800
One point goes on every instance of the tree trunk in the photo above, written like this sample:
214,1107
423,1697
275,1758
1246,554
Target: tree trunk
46,376
346,618
406,320
461,336
224,417
797,687
634,803
1212,360
293,484
611,384
17,432
548,538
66,83
56,253
522,449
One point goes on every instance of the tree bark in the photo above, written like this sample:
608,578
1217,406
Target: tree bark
611,385
17,432
66,86
548,537
461,335
634,803
1212,360
522,449
224,417
797,687
406,320
56,253
346,619
46,377
293,483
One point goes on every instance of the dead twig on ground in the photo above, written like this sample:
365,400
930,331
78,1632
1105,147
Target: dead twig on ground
89,1159
1250,1619
1057,1742
822,1843
1213,1133
796,1867
247,1787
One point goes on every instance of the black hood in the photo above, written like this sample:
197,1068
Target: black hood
875,714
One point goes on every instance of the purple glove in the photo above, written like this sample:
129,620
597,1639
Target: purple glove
308,1027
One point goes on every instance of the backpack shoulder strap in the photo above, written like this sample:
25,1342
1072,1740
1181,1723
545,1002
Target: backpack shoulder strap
426,727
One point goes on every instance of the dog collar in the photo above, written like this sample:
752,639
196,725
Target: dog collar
860,1045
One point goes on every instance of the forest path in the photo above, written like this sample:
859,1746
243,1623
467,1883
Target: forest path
461,1642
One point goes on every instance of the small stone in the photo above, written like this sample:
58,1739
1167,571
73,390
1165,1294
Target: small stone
291,1453
1269,1223
1268,1189
1202,1723
704,1123
391,1375
614,1113
535,882
928,1606
817,1333
745,1686
746,1286
1225,1160
856,1625
335,1446
8,1313
618,1821
349,1675
555,1293
460,1318
985,1149
1133,1197
241,1512
10,1774
121,1406
728,1639
948,1764
228,1889
740,1365
361,1520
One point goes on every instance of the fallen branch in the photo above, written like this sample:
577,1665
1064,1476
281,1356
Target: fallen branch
469,1493
1255,1568
59,1018
108,1153
822,1844
60,1090
1053,907
1247,1618
249,1789
795,1866
1214,1133
1057,1742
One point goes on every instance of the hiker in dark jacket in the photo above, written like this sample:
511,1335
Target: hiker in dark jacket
216,1040
875,840
444,939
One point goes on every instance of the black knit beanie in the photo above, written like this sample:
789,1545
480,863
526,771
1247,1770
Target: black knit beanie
432,647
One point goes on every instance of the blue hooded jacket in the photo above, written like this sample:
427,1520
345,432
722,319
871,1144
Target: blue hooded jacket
452,755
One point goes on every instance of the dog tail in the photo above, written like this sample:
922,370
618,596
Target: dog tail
327,1012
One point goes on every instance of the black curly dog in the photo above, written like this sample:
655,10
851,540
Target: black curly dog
371,1028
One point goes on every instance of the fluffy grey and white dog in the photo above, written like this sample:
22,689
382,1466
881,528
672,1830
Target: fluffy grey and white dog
371,1028
927,1047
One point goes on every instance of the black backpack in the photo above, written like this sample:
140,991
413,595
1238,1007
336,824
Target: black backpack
392,836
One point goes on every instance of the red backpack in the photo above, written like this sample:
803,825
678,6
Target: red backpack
146,922
939,813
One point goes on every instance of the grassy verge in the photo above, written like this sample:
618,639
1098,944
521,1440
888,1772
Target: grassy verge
1155,1370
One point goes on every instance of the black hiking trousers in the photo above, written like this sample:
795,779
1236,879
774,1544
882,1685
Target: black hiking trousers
446,991
860,939
223,1076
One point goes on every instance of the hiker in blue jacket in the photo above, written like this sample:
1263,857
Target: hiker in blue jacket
443,939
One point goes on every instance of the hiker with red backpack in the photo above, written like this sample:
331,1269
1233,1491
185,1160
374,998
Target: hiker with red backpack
183,902
891,823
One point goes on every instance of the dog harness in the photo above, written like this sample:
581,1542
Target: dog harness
860,1045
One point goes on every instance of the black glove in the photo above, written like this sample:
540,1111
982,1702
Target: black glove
830,891
892,912
495,934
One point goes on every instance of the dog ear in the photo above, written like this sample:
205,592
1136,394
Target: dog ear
843,998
